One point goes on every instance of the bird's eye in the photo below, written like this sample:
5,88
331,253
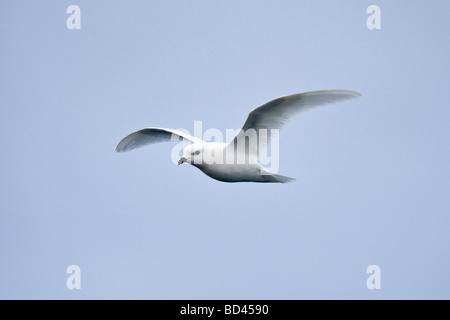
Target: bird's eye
197,152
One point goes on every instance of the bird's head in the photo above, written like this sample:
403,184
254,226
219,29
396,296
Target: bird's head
192,154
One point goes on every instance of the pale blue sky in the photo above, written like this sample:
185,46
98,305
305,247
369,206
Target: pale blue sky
372,174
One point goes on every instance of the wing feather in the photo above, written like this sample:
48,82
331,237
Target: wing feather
148,136
276,113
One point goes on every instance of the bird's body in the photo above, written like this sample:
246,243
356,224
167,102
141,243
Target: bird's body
235,172
235,161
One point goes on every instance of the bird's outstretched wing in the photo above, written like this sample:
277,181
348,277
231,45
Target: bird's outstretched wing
276,113
152,135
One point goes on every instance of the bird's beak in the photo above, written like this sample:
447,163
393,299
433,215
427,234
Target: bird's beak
182,160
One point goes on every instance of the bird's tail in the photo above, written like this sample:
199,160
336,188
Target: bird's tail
277,178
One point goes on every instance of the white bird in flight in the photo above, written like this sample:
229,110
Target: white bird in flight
271,115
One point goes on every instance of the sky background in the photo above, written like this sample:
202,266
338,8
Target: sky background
373,176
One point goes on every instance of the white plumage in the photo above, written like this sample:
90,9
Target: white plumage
271,115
